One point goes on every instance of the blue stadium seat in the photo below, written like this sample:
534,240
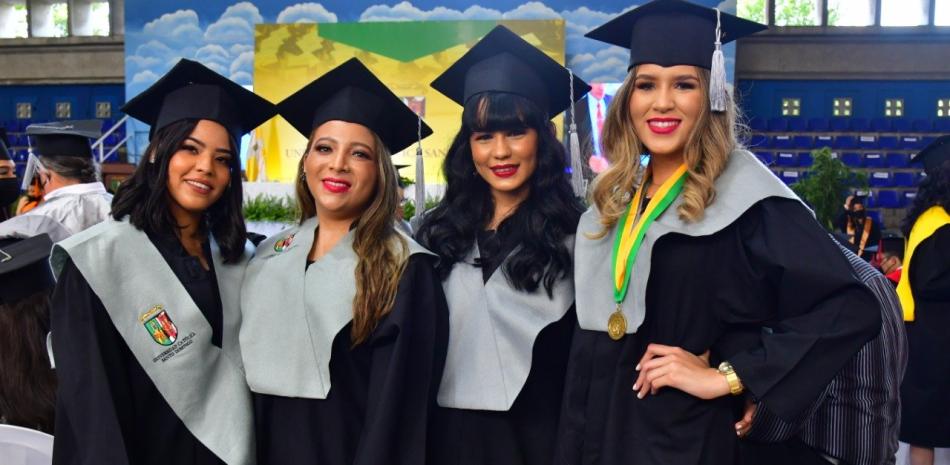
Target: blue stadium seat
778,124
881,179
790,177
942,125
888,199
797,124
922,125
909,197
860,124
758,124
22,124
875,215
852,159
898,160
880,125
23,140
759,140
910,142
845,142
905,179
900,125
801,142
10,125
926,140
765,157
870,202
867,141
823,141
840,124
786,159
21,156
782,142
887,142
805,159
818,124
874,160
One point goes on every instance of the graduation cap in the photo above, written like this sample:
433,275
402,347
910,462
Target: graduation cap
675,32
24,268
504,62
192,91
934,155
350,92
4,153
65,138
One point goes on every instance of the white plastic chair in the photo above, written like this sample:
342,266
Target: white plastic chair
23,446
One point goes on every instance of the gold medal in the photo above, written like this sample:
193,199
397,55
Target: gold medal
617,324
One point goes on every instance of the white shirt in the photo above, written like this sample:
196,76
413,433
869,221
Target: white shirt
64,212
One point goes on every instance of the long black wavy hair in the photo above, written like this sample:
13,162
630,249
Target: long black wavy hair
28,384
144,197
543,220
934,190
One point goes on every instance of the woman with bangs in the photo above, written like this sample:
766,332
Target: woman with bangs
504,234
145,313
699,277
344,323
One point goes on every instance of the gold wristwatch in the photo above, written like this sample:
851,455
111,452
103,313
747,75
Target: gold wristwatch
735,384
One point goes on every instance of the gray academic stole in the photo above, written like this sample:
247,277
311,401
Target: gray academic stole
291,313
492,330
743,183
167,333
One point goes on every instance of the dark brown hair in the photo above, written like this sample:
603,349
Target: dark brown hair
27,383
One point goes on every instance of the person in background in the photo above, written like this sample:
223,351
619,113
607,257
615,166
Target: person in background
856,420
9,184
400,216
890,257
924,290
28,383
73,196
863,231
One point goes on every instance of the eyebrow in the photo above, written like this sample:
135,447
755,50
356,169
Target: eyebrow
677,78
203,145
331,139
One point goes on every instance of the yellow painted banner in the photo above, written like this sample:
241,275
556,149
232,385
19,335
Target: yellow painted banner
406,56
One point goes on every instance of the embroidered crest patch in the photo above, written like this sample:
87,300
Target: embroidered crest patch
160,325
284,243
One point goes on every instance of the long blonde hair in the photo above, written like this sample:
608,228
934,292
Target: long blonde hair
707,150
382,254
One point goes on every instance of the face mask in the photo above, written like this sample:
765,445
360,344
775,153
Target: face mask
9,191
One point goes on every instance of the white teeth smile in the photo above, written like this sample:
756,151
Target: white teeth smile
664,124
199,185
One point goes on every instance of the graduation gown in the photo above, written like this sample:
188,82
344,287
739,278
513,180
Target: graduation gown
758,262
109,410
924,392
318,399
475,432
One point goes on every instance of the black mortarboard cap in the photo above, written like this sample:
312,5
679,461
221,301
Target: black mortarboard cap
350,92
24,268
934,155
65,138
191,90
504,62
4,153
672,32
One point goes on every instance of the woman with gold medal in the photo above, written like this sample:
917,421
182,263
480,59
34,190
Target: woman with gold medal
699,277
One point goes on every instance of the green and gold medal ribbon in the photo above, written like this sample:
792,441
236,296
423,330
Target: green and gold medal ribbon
629,237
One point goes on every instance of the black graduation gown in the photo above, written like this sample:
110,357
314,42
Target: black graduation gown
383,390
925,392
774,267
108,411
526,433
